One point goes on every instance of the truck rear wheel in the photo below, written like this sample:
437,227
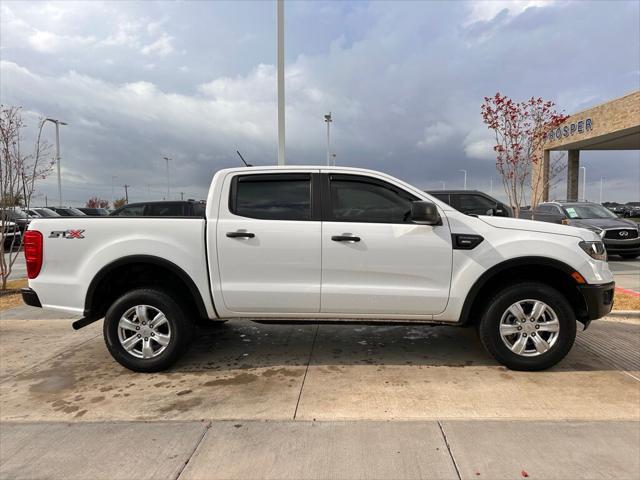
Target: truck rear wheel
146,330
528,326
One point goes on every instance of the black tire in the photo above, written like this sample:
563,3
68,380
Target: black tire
489,327
181,330
629,257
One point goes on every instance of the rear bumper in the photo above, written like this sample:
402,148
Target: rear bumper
30,297
598,299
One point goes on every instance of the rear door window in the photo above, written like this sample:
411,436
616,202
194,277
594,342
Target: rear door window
132,211
272,196
474,204
165,210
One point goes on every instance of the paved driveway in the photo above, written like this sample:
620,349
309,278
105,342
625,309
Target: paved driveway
626,273
308,401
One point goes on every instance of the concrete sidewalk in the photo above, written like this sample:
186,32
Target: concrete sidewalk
295,450
309,401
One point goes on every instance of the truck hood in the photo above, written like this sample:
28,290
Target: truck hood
603,223
542,227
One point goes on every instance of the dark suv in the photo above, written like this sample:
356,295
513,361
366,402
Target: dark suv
472,202
185,208
620,236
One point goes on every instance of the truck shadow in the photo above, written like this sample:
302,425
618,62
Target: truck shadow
244,344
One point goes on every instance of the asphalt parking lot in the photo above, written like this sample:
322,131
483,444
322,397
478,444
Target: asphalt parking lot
308,401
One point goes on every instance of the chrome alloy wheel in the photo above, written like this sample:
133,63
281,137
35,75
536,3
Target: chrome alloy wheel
144,331
529,328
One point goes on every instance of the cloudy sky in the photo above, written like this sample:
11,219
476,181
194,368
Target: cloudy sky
137,81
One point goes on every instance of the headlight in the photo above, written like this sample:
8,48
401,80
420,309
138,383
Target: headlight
594,250
596,230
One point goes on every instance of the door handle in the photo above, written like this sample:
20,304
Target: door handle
240,235
345,238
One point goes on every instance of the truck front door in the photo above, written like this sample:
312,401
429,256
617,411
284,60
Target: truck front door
374,260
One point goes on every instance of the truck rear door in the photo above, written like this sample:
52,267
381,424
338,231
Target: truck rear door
268,242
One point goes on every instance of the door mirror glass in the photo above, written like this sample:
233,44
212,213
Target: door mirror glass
424,213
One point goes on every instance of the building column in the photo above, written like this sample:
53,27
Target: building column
573,170
546,156
540,179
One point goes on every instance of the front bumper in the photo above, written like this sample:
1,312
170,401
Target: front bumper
615,247
30,297
598,299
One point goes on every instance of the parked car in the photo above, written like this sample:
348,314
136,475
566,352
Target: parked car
472,202
42,212
634,212
620,236
19,217
186,208
68,211
622,211
320,244
94,212
12,234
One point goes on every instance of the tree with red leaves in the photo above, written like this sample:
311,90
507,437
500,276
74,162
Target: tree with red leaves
520,130
95,202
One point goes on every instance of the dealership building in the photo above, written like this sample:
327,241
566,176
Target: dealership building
614,125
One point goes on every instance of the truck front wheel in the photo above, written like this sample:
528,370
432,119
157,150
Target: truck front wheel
528,326
146,330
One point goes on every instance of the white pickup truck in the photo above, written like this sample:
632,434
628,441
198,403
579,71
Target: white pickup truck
320,244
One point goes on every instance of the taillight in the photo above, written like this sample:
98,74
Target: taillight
33,252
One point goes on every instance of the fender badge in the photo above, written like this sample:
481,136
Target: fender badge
67,234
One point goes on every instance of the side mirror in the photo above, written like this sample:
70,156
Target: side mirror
425,213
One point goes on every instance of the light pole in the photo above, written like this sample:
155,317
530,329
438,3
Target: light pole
57,124
280,16
584,183
491,186
168,187
328,120
601,179
465,178
333,157
444,185
113,181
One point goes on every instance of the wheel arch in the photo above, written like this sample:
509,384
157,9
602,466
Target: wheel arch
553,272
98,292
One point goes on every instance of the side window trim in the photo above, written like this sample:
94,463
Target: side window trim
327,210
314,190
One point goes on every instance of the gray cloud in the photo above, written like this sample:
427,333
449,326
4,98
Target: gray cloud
137,81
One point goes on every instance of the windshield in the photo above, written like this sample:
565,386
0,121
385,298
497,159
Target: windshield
588,211
18,213
45,212
75,211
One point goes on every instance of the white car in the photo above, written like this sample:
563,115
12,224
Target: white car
320,243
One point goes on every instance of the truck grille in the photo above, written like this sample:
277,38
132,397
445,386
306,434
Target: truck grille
622,234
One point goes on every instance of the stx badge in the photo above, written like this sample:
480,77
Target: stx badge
66,234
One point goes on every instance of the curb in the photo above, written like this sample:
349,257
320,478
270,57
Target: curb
633,293
624,313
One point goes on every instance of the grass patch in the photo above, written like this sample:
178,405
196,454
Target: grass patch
20,283
625,301
10,301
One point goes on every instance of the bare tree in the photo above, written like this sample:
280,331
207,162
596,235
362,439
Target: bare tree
19,173
519,129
